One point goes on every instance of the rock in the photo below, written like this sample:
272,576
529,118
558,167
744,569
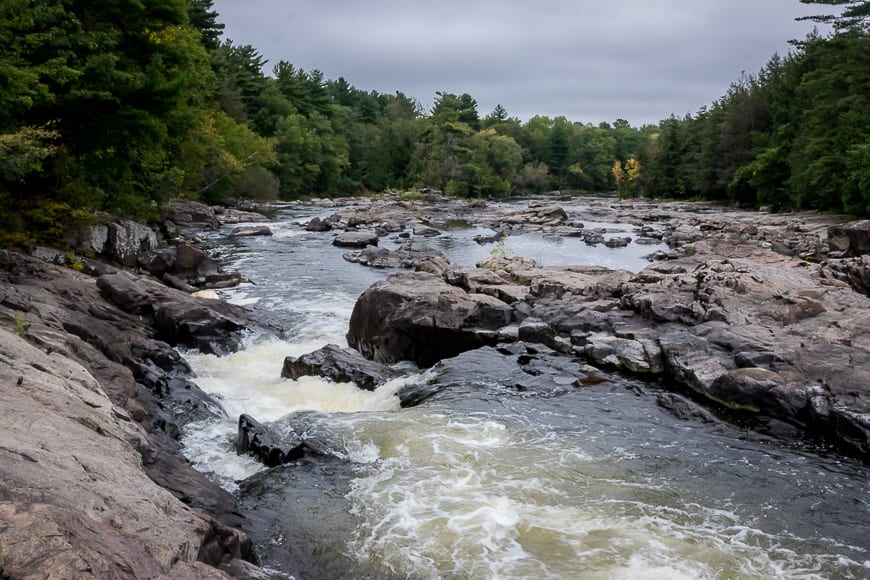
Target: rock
850,239
521,366
158,262
482,240
684,408
211,326
127,240
200,324
231,215
318,225
507,264
341,365
425,231
356,239
618,242
408,255
641,357
76,501
223,280
437,265
151,397
191,214
188,256
853,271
255,439
248,231
419,317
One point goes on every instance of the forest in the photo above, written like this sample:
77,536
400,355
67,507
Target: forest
116,107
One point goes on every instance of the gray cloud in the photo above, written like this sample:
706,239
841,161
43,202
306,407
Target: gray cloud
590,60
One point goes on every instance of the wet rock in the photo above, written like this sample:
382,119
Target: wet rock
618,242
425,231
178,317
232,215
318,225
419,317
521,366
356,239
248,231
340,365
491,239
684,408
253,438
408,255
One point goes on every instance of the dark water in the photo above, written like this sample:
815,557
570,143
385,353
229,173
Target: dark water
488,481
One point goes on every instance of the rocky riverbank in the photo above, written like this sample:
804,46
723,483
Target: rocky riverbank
766,314
92,482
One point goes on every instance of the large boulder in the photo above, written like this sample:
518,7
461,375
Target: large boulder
419,317
127,240
341,365
190,215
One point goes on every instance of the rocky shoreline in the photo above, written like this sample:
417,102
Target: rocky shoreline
762,313
92,481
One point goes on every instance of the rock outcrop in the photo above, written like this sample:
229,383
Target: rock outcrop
92,483
740,322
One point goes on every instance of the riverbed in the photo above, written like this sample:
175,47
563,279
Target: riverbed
485,480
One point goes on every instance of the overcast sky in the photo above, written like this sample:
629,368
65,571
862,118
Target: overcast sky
589,60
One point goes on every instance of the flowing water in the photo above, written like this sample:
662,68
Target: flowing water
487,481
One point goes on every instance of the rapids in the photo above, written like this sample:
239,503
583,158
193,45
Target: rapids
485,481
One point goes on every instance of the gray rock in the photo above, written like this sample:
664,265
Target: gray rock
340,365
63,514
850,239
127,240
419,317
356,239
247,231
318,225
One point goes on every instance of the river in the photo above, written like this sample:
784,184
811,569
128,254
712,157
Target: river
488,481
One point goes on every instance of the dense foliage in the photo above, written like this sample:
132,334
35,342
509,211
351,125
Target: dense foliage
117,106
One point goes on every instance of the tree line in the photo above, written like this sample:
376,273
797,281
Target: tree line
119,106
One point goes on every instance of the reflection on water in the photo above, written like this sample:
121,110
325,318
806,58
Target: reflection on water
484,481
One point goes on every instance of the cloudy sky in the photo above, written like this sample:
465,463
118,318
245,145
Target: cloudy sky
589,60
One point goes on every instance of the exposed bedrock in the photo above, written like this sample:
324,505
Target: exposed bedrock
92,483
745,326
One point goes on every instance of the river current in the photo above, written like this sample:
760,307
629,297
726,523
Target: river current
487,481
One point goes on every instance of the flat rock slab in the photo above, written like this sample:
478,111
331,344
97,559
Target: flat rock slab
355,239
